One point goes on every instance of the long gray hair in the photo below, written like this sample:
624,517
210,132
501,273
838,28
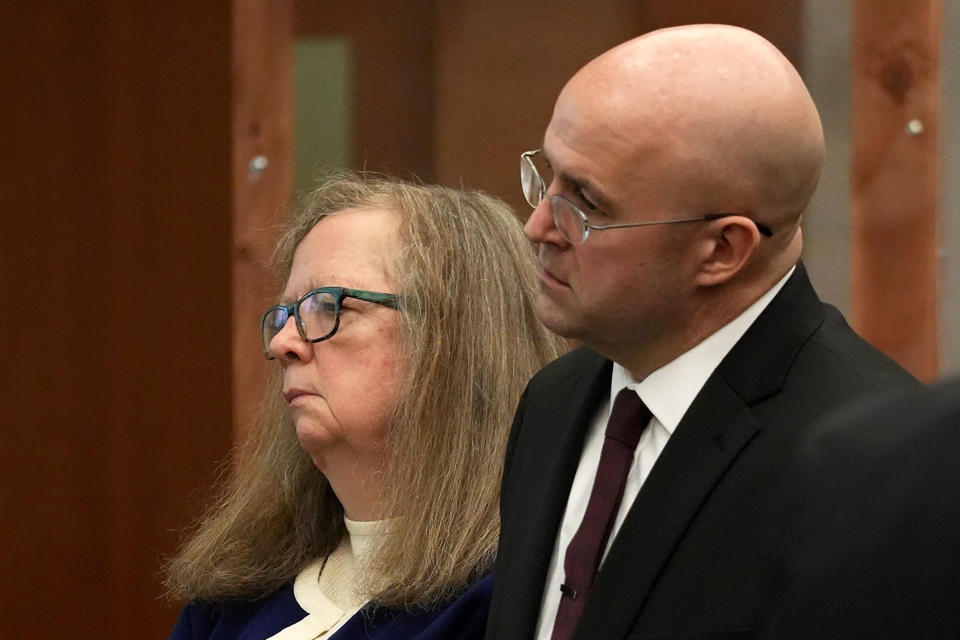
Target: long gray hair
470,341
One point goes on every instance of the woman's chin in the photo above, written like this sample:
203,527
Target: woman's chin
315,439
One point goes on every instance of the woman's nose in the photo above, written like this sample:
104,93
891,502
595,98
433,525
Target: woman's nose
287,346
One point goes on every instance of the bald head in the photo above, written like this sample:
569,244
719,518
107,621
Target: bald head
719,110
671,127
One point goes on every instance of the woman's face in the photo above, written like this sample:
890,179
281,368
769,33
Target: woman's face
341,391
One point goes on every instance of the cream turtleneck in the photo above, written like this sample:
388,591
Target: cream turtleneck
327,588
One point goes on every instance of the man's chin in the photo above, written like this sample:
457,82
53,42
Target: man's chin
558,320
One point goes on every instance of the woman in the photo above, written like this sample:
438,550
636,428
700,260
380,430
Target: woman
365,503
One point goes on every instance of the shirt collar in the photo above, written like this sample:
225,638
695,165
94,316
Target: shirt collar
669,391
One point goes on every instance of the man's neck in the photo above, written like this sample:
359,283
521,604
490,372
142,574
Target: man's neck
711,314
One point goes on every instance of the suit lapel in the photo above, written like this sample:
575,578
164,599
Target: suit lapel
709,438
713,432
553,442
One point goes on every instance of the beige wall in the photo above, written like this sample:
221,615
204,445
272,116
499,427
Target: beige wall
826,69
950,193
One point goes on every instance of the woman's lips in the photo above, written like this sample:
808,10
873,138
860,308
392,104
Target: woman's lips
553,280
292,394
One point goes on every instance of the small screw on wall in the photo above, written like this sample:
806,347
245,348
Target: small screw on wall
256,166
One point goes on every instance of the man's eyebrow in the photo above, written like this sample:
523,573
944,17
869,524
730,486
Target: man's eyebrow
590,189
591,192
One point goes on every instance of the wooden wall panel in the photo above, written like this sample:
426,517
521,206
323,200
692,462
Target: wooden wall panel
262,171
392,46
895,179
779,22
115,401
499,68
454,91
51,370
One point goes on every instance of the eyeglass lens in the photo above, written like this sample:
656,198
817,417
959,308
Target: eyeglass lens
272,324
568,221
318,315
530,181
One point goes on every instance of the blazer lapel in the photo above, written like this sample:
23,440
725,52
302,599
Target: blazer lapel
555,432
713,432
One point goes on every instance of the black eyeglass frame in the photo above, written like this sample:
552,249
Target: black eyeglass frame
526,162
390,300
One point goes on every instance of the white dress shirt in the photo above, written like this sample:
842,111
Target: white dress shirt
668,392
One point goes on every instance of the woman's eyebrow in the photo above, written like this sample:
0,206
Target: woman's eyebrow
286,298
318,282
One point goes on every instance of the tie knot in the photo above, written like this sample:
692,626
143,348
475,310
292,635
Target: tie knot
628,419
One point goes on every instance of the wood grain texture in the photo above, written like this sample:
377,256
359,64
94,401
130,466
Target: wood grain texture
262,127
779,22
894,179
499,68
454,91
116,401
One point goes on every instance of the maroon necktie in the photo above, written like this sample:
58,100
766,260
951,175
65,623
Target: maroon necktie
582,560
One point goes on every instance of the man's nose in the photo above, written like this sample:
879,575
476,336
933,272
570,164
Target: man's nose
540,227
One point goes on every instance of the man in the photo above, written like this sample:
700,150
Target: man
703,141
877,524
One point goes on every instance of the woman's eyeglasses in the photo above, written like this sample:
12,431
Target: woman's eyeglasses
316,313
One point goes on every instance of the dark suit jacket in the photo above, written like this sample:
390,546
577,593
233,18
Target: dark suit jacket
878,524
695,550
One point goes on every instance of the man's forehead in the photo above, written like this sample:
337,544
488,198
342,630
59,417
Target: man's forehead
578,172
592,146
573,137
605,113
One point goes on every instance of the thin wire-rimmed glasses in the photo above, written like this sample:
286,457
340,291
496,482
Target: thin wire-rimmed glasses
572,223
316,313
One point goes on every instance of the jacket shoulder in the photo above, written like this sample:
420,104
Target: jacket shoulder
568,367
837,346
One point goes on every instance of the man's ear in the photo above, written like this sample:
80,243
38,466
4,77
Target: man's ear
727,249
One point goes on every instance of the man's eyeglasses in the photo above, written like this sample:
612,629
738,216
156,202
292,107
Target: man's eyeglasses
572,223
316,313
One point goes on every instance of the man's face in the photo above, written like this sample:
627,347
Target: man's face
622,286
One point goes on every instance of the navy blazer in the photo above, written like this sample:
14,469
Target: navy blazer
696,549
463,618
